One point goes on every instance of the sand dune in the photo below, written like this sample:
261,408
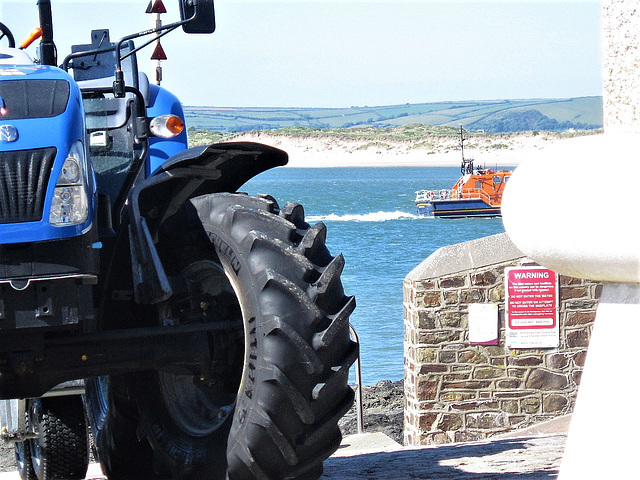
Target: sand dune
330,151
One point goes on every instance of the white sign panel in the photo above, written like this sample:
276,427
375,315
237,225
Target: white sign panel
483,323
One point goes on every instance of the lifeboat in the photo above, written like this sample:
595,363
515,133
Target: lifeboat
477,193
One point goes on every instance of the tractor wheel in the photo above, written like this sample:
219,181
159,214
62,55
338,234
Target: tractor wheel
23,461
113,419
61,451
270,406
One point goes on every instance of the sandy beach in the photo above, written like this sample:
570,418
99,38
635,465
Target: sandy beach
322,152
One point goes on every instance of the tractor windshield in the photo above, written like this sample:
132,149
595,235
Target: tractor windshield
112,147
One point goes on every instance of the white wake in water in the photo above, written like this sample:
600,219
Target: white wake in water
365,217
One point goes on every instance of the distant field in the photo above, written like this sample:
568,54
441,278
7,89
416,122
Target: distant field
500,116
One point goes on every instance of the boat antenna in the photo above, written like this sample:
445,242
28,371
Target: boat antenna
467,164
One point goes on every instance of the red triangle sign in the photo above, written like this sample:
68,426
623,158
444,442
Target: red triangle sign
156,6
158,53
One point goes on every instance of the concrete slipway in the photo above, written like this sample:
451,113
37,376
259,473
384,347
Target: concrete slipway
532,454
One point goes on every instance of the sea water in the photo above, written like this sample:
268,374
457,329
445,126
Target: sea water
371,218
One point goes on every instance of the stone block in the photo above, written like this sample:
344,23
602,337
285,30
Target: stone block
483,279
437,337
474,295
509,383
434,439
499,361
494,351
426,389
517,372
530,405
496,294
456,396
541,379
426,284
463,406
408,418
510,394
472,356
451,297
580,304
453,282
577,338
580,357
482,373
455,346
452,319
432,368
576,376
428,299
408,294
447,356
510,406
424,319
426,355
426,421
554,403
557,361
566,280
455,377
408,438
580,318
464,436
515,420
488,404
573,292
528,361
460,368
408,300
450,422
487,420
468,385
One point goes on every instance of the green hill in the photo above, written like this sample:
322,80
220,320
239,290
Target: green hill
499,116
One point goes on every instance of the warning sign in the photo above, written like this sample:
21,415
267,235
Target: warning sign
531,295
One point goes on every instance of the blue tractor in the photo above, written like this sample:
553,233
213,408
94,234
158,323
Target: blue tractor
196,332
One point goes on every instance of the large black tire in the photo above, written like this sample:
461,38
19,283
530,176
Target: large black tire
23,461
114,421
61,451
279,383
295,381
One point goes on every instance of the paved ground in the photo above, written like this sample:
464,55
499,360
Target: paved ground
524,458
532,454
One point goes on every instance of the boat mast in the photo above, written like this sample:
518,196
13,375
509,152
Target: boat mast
467,165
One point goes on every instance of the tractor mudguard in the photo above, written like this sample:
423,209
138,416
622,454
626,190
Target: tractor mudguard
220,167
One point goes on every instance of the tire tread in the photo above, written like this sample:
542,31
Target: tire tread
302,300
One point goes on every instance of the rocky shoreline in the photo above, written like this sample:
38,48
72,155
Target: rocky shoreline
383,411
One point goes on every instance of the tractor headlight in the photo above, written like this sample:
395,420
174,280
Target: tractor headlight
70,204
71,171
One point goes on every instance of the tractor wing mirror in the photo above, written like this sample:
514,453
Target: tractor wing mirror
200,15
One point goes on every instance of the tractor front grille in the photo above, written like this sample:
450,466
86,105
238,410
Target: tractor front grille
24,176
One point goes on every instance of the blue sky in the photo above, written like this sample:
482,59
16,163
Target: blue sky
355,52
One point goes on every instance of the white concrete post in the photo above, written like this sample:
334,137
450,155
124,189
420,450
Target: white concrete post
575,209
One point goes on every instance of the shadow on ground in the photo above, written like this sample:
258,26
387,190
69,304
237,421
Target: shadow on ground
529,458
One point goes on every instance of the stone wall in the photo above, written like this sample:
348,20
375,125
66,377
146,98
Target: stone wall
456,391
